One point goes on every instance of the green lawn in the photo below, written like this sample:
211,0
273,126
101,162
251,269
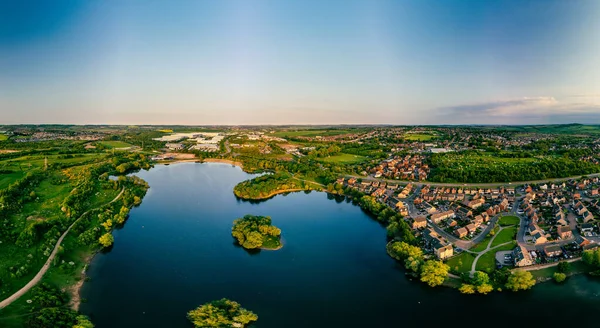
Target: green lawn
483,244
3,137
115,144
7,178
509,220
487,262
506,235
461,263
344,159
576,267
418,136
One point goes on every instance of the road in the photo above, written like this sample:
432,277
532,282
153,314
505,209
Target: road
464,244
46,266
493,184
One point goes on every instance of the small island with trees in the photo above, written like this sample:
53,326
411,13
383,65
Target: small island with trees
252,232
221,313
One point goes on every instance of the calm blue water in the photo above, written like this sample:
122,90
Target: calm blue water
176,252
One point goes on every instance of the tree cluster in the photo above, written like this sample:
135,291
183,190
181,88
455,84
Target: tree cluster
221,313
256,231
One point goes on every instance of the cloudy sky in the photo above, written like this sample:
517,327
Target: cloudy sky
300,62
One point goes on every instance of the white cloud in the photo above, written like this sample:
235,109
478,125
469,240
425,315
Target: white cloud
529,109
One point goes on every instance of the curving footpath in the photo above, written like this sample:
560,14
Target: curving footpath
46,266
488,248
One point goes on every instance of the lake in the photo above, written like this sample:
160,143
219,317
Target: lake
176,252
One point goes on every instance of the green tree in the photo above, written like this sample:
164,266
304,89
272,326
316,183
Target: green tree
434,273
592,257
559,277
520,280
564,267
253,240
484,288
467,289
83,322
480,278
411,255
106,239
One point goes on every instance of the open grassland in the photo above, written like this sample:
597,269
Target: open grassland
419,136
3,137
26,163
115,144
47,200
344,159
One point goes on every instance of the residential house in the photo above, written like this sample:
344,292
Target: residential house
521,257
461,232
419,222
552,251
471,228
587,227
564,232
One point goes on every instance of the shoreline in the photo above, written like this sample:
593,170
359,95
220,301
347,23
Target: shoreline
200,161
275,193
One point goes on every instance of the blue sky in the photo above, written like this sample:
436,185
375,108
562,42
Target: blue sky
300,62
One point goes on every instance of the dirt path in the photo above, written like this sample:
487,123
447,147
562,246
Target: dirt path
46,266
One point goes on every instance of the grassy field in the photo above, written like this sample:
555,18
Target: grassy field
487,262
49,197
419,137
509,220
115,144
7,178
3,137
506,235
344,159
313,133
461,263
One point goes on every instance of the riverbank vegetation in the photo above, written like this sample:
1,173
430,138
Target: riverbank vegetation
221,313
431,272
38,208
253,232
